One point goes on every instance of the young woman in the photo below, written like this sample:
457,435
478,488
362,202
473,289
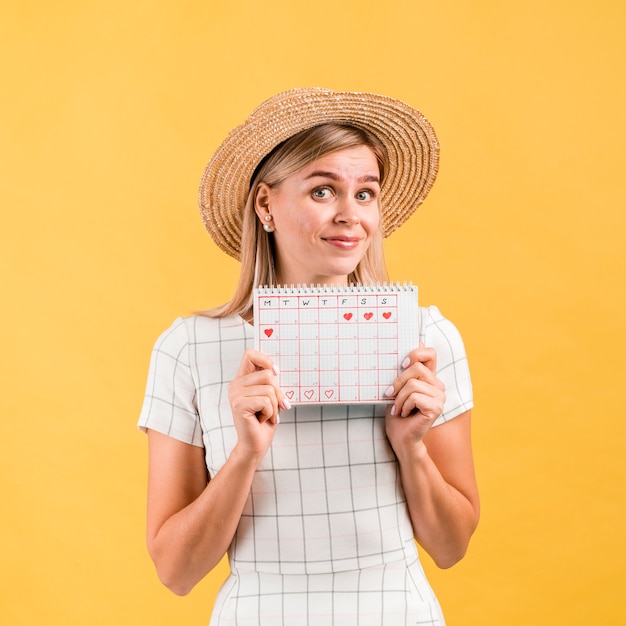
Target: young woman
318,507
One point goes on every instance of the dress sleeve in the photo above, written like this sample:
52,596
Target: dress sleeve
169,405
452,368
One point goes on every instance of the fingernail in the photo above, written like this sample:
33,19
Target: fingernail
406,362
277,419
389,391
275,369
287,404
393,409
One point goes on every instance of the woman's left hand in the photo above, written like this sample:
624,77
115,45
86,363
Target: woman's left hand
418,396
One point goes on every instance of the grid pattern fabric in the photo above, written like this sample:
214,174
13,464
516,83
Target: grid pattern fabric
395,594
325,534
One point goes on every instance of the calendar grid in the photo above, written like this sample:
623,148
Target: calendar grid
336,346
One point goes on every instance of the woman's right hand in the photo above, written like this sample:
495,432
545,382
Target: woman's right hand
255,399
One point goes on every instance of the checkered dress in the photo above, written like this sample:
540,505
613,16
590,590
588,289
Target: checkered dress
325,536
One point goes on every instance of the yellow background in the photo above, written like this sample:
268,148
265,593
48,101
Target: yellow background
109,111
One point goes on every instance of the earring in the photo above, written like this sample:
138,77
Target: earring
266,227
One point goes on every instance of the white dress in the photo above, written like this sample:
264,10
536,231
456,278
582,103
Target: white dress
325,536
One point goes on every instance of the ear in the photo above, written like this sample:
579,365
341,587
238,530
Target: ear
262,200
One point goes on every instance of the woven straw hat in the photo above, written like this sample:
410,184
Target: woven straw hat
411,144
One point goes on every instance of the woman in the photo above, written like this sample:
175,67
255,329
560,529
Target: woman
317,506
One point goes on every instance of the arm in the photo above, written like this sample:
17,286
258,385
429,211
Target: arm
436,464
191,520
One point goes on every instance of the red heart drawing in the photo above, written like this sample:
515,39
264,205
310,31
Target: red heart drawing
289,394
368,316
348,316
308,394
329,393
268,331
387,315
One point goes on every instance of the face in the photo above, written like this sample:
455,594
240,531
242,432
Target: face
325,216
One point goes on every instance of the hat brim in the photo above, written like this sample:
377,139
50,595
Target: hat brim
410,141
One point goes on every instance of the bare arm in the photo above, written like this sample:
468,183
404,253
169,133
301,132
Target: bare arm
191,520
439,483
436,464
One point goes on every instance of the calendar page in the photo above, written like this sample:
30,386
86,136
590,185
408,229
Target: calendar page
337,344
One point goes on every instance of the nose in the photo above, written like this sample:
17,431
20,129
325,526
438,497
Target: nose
347,212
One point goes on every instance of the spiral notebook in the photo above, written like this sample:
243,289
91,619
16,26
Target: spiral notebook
337,345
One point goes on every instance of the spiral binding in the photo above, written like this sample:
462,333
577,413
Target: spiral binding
386,287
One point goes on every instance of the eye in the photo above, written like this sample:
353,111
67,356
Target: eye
365,195
321,193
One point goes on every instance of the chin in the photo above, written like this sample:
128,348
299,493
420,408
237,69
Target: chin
339,272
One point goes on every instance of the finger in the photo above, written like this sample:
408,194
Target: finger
284,402
254,360
261,377
259,400
257,377
259,407
419,396
431,408
271,377
416,371
417,404
427,356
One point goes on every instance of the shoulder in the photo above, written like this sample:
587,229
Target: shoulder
187,335
437,330
440,333
200,329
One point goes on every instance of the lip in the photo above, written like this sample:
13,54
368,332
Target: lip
344,243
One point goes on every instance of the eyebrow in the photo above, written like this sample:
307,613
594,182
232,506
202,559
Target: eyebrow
368,178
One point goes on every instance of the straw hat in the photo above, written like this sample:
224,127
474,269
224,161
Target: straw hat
411,144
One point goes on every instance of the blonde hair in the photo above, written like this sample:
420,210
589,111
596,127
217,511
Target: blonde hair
257,250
